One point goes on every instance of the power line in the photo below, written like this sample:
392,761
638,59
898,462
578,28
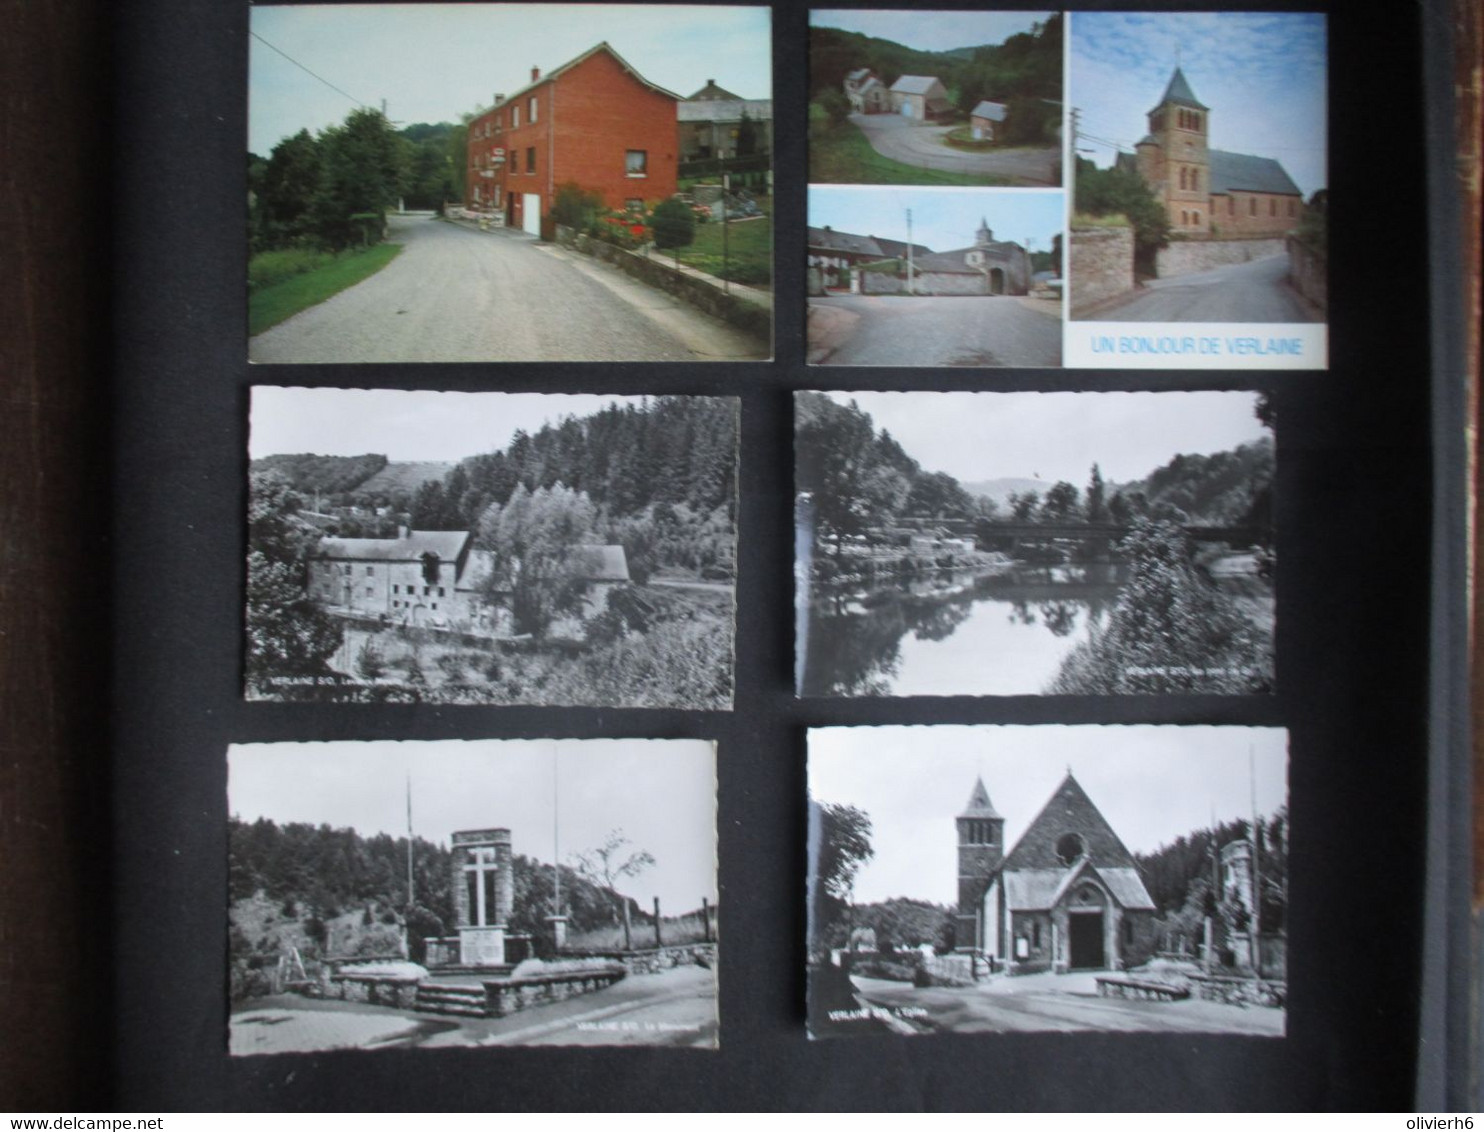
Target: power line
307,71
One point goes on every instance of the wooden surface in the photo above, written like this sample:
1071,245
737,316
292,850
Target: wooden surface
55,965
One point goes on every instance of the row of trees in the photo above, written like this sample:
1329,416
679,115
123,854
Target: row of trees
1181,876
316,873
332,189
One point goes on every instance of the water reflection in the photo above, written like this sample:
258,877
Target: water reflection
952,633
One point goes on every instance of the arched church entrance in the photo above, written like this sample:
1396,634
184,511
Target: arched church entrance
996,280
1085,932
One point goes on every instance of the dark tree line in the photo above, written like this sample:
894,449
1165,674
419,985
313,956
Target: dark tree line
330,190
1027,65
1181,878
331,475
317,872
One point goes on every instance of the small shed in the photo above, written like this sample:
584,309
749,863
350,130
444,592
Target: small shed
985,120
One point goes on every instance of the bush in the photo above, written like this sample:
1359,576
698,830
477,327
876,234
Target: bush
575,207
674,224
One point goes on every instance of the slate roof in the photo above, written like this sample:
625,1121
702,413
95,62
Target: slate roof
955,260
994,111
897,249
914,84
1038,890
856,75
831,240
979,804
1178,91
1252,174
725,110
447,545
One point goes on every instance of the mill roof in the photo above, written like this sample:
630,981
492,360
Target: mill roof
994,111
604,563
447,545
834,241
1250,173
914,84
979,804
1178,91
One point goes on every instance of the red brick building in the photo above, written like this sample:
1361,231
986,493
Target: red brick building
594,121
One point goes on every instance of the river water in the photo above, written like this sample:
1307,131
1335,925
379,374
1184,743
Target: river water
954,633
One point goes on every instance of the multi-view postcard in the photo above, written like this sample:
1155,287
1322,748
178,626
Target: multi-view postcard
510,182
1191,230
387,895
995,879
1006,544
491,548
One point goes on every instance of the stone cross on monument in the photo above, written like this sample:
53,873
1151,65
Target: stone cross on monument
484,894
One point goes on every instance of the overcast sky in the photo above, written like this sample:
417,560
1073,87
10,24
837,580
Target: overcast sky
402,424
1261,73
1151,783
661,793
931,31
434,62
1058,436
942,219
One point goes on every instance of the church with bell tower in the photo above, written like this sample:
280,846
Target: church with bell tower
981,847
1204,191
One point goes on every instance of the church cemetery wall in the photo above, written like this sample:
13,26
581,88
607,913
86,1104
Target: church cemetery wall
1102,265
1185,256
1308,271
928,283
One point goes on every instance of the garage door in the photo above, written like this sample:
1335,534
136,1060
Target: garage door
530,213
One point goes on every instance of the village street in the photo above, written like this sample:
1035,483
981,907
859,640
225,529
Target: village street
458,295
674,1008
1049,1002
902,139
1257,291
944,330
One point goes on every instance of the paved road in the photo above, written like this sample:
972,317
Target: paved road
1241,292
896,137
456,295
1058,1003
947,330
674,1008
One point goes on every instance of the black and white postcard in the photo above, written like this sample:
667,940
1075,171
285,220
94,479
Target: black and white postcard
935,277
1049,878
978,544
387,895
491,548
1199,204
510,182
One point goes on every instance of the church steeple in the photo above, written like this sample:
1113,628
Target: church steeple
981,848
983,237
1174,158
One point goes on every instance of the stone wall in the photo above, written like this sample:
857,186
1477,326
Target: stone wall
377,990
928,283
1102,266
654,960
699,293
1308,271
1185,256
506,996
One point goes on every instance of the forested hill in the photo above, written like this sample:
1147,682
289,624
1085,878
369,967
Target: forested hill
1026,65
1222,488
307,473
323,872
1180,876
625,458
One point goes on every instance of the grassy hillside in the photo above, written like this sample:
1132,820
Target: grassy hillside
405,477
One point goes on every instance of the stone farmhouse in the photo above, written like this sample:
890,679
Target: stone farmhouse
986,267
923,98
1067,897
710,124
594,122
436,578
866,93
1205,190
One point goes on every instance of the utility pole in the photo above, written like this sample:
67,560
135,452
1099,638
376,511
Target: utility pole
726,187
409,841
909,251
1256,870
